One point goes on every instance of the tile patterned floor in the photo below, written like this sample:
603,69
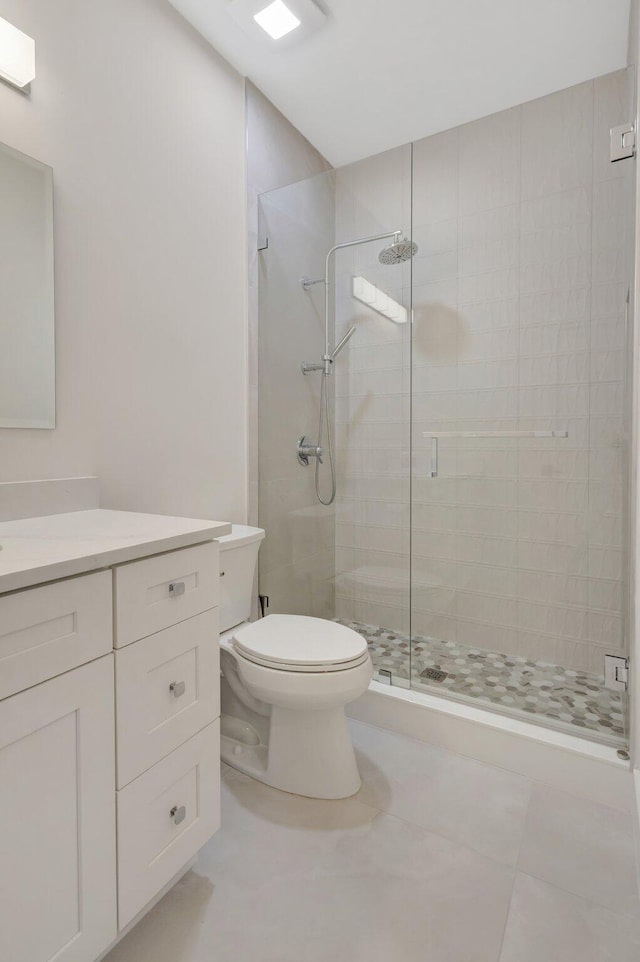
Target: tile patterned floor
571,700
438,857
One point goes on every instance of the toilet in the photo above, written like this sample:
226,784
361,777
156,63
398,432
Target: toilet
285,682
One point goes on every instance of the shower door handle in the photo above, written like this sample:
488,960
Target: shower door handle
433,473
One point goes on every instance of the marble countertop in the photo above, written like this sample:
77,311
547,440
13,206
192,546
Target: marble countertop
36,550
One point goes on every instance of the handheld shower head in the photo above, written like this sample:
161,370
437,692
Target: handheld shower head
400,251
342,343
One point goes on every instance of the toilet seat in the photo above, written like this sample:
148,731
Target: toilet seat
297,643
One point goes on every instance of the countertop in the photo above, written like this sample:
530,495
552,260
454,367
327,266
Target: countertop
36,550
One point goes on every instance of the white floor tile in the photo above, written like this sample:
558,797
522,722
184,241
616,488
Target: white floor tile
548,925
582,847
295,880
418,866
468,802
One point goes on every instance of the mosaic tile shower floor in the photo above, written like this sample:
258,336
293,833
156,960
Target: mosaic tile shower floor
558,697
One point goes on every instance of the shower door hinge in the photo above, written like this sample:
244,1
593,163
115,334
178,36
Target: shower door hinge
623,142
616,672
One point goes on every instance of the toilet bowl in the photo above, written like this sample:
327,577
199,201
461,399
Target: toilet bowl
285,682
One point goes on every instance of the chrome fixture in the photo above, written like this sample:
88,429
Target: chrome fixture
327,359
399,251
623,142
306,449
435,436
307,282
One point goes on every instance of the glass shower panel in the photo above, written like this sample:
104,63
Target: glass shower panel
348,560
297,558
520,410
372,388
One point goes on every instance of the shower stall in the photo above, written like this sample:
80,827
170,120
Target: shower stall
468,513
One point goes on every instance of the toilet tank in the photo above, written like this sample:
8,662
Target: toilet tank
238,560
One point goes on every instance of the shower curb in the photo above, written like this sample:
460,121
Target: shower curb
566,762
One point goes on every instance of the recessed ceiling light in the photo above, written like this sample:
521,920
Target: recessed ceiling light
276,19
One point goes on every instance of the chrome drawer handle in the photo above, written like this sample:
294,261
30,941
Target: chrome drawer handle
178,814
177,688
177,588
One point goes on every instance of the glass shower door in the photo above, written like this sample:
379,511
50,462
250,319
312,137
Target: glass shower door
520,410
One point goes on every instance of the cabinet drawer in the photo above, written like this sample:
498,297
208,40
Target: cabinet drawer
49,630
163,590
164,817
167,689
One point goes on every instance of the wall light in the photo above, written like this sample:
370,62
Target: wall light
276,19
17,56
377,300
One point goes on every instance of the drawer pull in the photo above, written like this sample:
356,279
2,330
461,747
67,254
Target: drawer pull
178,813
177,688
177,588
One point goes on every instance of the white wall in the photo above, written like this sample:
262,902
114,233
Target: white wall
143,125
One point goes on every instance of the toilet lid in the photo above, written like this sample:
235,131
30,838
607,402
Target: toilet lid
299,643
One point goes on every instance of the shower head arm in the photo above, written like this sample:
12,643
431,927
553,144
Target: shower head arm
338,247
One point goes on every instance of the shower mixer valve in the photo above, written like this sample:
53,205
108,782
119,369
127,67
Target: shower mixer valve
308,450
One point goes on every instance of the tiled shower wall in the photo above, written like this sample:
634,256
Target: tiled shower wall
519,293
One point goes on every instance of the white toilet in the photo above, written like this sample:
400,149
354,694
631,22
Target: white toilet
285,682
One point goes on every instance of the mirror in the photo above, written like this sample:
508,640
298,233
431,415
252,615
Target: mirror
27,338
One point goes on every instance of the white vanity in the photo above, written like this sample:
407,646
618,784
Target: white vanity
109,722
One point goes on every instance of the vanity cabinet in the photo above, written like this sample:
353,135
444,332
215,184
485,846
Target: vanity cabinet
57,818
109,748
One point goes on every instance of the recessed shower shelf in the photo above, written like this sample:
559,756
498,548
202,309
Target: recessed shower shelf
436,436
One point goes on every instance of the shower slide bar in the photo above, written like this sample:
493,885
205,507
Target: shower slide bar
435,436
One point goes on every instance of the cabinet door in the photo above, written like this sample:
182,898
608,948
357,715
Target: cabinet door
57,818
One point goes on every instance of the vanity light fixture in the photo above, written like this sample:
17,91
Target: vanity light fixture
367,293
17,56
276,19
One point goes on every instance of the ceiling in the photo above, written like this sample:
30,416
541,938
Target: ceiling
379,74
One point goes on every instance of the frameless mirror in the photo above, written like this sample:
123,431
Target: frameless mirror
27,338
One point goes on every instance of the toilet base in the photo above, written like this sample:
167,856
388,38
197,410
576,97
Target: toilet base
308,753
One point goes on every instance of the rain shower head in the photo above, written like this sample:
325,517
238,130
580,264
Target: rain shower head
397,253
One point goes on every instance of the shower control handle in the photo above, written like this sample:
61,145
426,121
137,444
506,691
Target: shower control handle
306,450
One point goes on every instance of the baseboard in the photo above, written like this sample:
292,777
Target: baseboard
566,762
